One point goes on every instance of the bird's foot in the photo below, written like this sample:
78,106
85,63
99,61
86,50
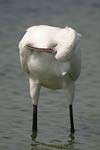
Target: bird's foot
34,135
72,135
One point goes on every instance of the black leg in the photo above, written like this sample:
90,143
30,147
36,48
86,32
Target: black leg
34,124
71,118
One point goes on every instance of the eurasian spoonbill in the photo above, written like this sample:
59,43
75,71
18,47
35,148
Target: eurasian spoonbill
51,58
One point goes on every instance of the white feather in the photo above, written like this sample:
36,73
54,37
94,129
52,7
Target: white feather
46,69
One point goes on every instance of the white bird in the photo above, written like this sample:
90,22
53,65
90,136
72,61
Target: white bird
51,57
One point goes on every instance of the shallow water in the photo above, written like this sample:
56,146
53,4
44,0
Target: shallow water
53,116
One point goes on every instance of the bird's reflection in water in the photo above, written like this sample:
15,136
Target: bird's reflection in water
69,145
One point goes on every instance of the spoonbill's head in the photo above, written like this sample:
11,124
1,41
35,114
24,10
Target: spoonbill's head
66,40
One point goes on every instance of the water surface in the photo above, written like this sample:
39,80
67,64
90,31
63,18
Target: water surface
53,116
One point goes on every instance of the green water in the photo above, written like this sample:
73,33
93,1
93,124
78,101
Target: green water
53,115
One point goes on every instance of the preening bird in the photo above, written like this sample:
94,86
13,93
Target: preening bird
51,58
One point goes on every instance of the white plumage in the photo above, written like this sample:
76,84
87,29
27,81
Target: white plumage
58,70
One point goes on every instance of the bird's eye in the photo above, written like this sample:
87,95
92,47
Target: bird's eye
55,52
